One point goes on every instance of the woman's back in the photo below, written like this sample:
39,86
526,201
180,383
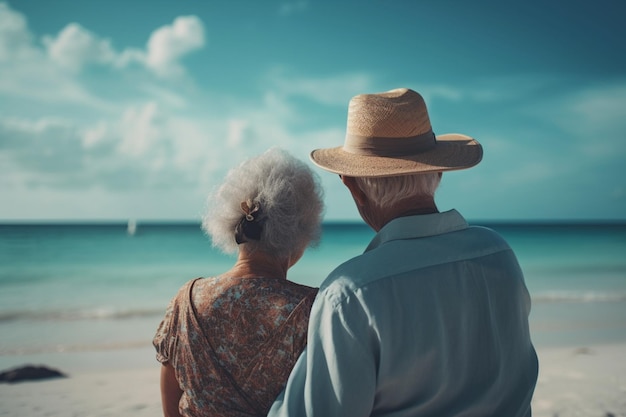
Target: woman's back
233,341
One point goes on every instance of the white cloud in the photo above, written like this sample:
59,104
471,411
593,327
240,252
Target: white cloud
589,121
598,117
164,95
75,47
41,150
15,40
94,135
168,44
236,131
146,146
511,88
442,91
140,130
334,90
130,153
35,80
27,72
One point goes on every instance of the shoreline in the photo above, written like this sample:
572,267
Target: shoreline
587,380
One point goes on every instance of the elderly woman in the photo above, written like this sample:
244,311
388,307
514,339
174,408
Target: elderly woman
228,342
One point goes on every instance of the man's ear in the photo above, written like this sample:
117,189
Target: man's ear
358,194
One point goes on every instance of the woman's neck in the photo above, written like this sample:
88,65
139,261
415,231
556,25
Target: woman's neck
257,265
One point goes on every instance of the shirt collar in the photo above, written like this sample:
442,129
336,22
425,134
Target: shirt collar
423,225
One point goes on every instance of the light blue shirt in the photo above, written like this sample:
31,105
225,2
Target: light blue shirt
432,320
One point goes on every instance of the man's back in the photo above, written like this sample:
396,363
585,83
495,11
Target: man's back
431,320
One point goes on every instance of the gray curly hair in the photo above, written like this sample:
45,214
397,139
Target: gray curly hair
288,195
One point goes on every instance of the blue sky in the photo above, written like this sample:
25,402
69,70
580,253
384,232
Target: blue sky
114,109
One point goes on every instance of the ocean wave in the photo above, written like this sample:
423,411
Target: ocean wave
111,313
578,297
78,314
67,348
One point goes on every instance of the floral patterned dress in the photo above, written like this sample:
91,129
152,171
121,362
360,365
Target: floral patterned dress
233,342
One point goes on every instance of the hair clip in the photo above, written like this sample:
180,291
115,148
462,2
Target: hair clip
249,209
249,227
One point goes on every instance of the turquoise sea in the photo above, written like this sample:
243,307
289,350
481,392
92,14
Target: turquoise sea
68,290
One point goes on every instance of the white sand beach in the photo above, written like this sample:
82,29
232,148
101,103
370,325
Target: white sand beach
105,383
104,393
587,381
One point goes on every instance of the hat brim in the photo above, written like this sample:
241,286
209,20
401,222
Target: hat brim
453,152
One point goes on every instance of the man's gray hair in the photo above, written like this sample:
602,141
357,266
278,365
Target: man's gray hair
290,201
387,191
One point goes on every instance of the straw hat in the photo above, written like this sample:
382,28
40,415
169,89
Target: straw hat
389,134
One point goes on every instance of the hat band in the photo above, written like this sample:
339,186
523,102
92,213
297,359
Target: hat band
379,146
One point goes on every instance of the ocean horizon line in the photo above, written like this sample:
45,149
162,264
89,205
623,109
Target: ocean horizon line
332,222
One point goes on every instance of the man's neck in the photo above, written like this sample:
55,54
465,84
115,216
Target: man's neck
403,209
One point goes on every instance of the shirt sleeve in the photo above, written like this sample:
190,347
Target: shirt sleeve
166,336
336,373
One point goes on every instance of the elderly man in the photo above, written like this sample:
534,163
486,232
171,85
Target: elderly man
432,320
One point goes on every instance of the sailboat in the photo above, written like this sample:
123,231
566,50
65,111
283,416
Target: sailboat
131,228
